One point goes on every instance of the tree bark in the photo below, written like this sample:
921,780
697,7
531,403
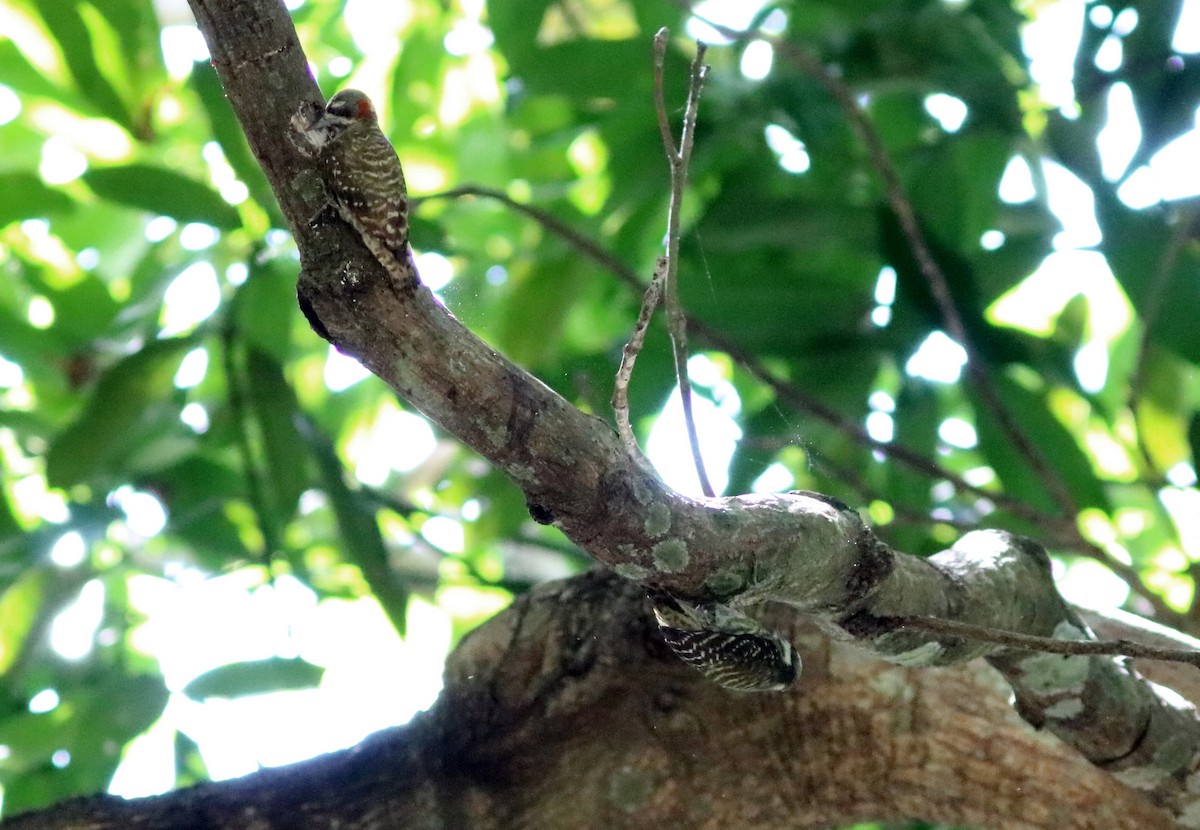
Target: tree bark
567,712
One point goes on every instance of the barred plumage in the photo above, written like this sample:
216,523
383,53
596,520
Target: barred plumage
363,176
730,648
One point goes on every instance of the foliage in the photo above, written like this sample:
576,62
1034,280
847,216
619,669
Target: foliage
132,200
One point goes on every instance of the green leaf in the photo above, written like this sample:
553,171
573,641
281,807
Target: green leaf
917,417
579,68
116,414
99,729
421,62
1137,245
1164,411
96,717
535,311
162,191
954,189
1194,438
274,674
39,352
515,24
229,135
274,406
362,541
265,308
74,38
139,50
190,768
780,275
23,76
26,197
102,728
8,524
1058,447
197,490
19,606
83,311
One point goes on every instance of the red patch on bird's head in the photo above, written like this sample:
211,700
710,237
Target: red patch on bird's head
365,110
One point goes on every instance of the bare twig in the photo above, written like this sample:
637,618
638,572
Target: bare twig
620,399
660,103
581,242
1050,645
678,159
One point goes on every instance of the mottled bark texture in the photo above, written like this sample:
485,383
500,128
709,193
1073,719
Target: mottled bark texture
800,550
566,712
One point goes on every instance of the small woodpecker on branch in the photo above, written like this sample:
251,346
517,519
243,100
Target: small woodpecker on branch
362,175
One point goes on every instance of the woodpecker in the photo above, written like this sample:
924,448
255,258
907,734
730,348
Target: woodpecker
728,647
362,176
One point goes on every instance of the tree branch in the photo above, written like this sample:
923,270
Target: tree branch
1061,533
784,389
620,399
571,691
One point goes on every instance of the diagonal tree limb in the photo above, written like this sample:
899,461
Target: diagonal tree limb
1062,533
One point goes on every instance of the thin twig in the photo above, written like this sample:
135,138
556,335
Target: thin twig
581,242
678,159
620,398
1050,645
660,103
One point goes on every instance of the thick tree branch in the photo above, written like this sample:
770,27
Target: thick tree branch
787,391
1063,534
566,712
801,549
